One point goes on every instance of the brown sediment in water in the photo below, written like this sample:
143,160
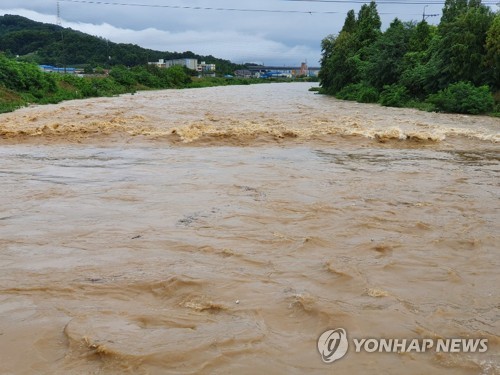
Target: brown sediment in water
137,237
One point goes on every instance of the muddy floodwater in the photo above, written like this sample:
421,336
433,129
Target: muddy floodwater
223,230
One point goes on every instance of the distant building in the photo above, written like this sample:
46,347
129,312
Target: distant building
160,63
203,68
261,71
188,63
244,73
206,69
53,69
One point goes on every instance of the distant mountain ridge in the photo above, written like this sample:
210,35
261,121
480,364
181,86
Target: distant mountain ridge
51,44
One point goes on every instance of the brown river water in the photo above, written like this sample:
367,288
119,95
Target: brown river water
223,230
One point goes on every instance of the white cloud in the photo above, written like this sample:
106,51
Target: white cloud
40,17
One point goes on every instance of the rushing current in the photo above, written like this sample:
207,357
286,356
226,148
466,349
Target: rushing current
223,230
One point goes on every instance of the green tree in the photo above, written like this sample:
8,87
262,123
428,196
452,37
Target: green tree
493,51
326,72
178,76
463,97
414,61
340,65
350,24
368,24
386,55
422,72
421,37
344,58
463,51
24,77
122,76
452,9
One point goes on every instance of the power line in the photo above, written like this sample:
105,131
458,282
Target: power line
395,2
200,8
391,2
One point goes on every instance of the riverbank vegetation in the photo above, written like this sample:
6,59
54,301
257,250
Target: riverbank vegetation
451,67
23,83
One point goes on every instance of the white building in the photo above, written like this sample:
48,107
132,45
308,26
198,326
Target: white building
188,63
204,67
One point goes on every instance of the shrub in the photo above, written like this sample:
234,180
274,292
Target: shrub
25,77
9,100
349,92
463,97
177,77
122,76
496,110
359,92
368,95
394,96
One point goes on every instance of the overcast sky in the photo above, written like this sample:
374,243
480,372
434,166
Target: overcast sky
286,36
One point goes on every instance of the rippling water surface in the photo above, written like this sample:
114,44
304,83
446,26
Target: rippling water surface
223,230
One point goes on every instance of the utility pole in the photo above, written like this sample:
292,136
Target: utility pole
59,23
58,20
425,16
107,52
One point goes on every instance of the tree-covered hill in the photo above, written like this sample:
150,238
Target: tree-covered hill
50,44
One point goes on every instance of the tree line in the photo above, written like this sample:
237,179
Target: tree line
452,67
